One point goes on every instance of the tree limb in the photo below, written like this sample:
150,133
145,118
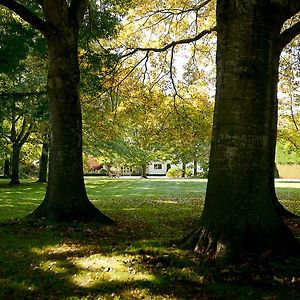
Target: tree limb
171,12
27,15
288,35
21,94
172,44
26,134
77,10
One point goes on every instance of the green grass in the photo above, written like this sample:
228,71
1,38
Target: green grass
135,259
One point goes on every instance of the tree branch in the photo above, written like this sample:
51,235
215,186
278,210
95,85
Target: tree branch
288,35
172,44
77,10
21,94
26,134
22,132
170,12
27,15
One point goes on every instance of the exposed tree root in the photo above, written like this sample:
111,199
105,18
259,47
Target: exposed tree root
283,212
86,212
231,248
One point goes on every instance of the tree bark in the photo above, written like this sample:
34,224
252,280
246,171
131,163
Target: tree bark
239,217
15,165
43,166
144,171
66,198
6,168
195,168
183,169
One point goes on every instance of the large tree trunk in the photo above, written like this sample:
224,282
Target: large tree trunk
15,165
66,198
43,166
239,217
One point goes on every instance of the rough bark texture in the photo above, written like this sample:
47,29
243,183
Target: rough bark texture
66,198
239,216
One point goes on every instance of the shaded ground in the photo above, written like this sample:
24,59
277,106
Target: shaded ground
136,259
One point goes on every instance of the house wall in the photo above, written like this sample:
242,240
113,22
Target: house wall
153,168
157,168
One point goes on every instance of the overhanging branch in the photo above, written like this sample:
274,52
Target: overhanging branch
27,15
288,35
170,12
172,44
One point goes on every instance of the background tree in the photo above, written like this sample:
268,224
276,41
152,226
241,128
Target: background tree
43,161
60,23
23,95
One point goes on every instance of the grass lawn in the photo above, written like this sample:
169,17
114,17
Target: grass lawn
135,259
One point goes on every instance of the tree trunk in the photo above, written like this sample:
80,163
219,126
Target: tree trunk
195,168
6,168
43,167
183,170
66,198
144,171
15,165
239,216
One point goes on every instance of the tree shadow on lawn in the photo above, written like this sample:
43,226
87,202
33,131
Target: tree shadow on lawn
40,261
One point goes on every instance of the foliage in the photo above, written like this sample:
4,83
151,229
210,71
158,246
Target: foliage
17,39
24,108
289,99
188,172
139,123
285,154
103,172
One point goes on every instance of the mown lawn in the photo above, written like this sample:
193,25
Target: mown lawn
135,259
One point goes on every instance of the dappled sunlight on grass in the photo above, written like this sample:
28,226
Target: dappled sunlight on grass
135,259
166,201
98,268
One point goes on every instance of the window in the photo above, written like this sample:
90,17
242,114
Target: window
157,166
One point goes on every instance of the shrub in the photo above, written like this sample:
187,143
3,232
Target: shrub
188,172
174,172
103,172
28,170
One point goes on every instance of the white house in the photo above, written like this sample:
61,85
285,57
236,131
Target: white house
161,168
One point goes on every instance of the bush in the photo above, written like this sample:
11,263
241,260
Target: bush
202,174
188,172
28,170
174,172
103,172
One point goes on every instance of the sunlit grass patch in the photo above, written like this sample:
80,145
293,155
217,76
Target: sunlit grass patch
97,268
